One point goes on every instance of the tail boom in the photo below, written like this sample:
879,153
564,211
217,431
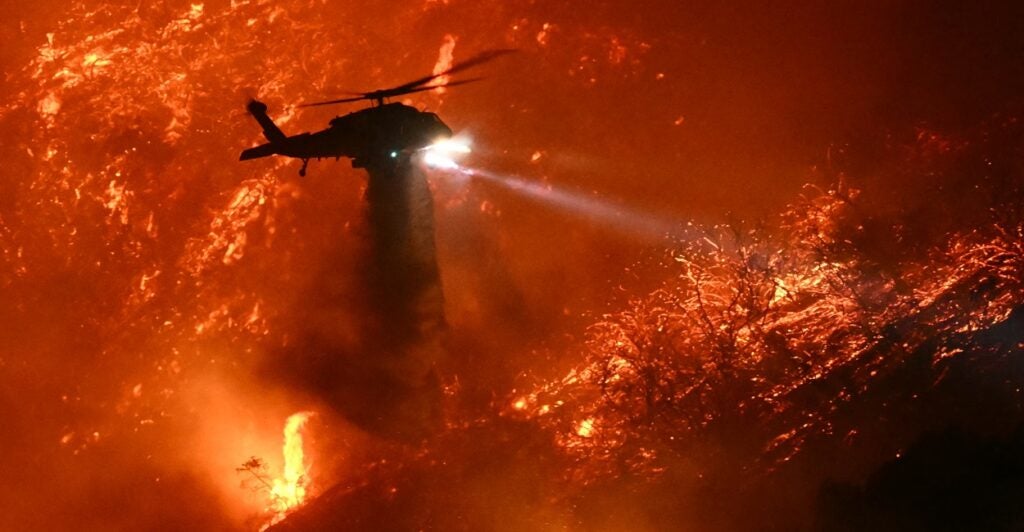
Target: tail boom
263,150
258,110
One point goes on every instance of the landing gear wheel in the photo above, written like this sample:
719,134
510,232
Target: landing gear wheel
302,171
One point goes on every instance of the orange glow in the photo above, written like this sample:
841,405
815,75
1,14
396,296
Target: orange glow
163,307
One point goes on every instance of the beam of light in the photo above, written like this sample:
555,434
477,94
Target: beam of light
611,215
444,155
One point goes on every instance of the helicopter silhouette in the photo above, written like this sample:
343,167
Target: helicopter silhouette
378,135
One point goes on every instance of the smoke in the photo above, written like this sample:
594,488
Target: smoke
376,313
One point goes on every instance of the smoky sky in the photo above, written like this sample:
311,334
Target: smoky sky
762,90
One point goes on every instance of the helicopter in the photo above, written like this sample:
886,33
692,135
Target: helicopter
381,134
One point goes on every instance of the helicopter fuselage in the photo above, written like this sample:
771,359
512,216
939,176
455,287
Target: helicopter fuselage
376,134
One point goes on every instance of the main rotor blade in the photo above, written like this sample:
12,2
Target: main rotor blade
432,87
482,57
415,85
331,102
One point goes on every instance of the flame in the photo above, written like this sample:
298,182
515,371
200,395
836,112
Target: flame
738,311
289,491
445,57
585,428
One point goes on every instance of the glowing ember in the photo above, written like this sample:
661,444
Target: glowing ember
585,428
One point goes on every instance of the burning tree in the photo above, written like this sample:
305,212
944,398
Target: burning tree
766,351
771,335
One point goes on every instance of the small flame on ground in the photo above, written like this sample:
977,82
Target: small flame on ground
289,491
